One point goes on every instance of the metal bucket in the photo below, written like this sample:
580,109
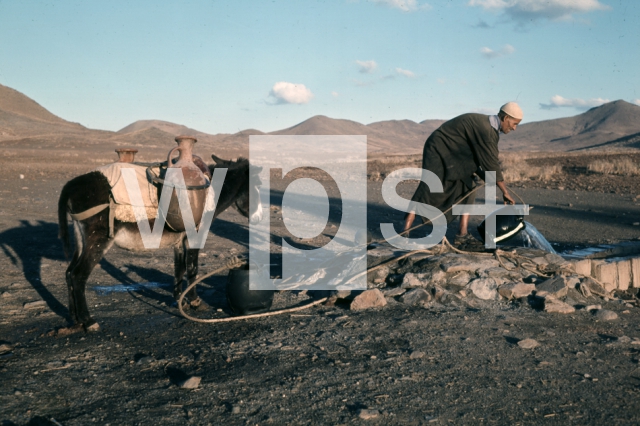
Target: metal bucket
507,227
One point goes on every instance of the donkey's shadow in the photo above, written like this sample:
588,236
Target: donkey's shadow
27,246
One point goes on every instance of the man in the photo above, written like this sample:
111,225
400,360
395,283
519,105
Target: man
459,148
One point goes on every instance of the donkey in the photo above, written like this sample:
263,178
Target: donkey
92,239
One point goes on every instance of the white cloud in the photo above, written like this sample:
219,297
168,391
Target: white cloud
507,49
406,73
636,101
558,101
530,10
403,5
367,67
335,94
290,93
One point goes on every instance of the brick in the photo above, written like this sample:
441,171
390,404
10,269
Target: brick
624,274
635,272
583,267
606,273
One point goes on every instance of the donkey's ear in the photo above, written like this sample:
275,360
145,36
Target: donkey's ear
219,161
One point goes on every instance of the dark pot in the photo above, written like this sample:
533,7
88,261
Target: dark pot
507,227
243,301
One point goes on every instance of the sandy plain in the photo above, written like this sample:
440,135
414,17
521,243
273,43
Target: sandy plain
326,365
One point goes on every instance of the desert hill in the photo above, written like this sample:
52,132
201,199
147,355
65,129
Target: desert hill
23,122
609,125
21,116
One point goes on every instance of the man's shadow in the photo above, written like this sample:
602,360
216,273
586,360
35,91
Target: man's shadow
27,246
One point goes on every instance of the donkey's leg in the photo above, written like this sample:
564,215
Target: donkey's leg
192,274
179,268
95,246
73,312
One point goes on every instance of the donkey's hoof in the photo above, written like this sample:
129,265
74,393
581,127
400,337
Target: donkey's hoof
66,331
195,303
93,327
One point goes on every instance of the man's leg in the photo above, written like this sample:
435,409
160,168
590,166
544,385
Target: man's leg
408,220
464,225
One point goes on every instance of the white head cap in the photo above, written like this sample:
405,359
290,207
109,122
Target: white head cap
513,110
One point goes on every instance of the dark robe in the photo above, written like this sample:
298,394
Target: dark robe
459,148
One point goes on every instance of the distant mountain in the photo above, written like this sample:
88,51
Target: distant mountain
23,122
21,116
394,136
609,125
165,126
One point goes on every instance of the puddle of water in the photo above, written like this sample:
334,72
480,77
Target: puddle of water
611,252
105,290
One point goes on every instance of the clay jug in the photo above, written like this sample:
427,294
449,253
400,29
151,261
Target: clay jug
126,155
195,180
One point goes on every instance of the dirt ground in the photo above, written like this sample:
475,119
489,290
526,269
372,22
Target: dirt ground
326,365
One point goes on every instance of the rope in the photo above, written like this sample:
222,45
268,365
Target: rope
236,262
232,263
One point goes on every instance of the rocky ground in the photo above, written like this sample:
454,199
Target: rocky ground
468,360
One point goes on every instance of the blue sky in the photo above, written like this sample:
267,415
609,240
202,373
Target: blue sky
225,66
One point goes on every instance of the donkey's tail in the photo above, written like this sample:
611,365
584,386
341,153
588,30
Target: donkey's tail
63,225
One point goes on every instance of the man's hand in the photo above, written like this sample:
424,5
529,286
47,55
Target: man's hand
507,198
505,194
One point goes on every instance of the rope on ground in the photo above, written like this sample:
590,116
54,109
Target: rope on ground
236,262
232,263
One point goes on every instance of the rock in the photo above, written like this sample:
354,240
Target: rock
498,274
436,291
459,279
6,294
450,299
147,359
551,304
592,307
606,315
528,343
556,286
417,355
572,281
416,297
412,280
593,287
4,348
344,294
623,339
368,299
35,305
380,275
235,409
484,288
368,414
554,258
393,292
192,382
516,290
468,263
93,327
584,290
575,298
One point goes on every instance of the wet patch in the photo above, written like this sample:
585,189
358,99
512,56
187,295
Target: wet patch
105,290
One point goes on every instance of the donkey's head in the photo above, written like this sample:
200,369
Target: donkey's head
241,187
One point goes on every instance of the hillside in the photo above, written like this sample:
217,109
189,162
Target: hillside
23,122
599,126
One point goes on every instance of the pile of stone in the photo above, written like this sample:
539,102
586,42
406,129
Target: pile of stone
537,278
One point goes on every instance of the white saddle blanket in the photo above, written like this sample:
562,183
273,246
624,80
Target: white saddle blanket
124,212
